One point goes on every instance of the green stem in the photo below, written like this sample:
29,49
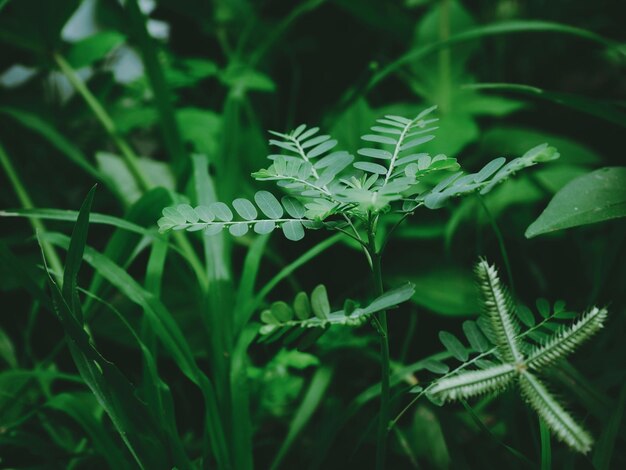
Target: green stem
381,446
27,203
130,158
501,244
546,451
445,57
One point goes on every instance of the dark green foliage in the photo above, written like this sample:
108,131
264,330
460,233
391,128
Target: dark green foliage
138,343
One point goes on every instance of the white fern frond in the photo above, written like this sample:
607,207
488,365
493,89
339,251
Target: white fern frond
476,382
504,328
567,339
555,416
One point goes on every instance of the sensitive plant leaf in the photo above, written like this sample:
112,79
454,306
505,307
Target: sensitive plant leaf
483,181
595,197
453,345
319,305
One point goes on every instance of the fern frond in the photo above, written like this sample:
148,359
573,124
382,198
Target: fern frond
561,423
567,339
498,306
477,382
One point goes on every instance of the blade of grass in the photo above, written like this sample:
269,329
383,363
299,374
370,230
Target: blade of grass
63,145
168,332
156,77
496,29
546,449
114,393
27,203
604,110
130,158
158,396
71,405
312,399
605,446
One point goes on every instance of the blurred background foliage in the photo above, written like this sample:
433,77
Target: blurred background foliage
123,93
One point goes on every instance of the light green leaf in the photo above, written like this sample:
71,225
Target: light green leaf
293,230
268,204
319,302
245,209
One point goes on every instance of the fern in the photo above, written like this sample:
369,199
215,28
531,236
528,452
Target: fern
500,324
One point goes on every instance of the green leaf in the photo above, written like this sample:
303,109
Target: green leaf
447,291
245,209
453,345
371,167
302,306
595,197
475,337
93,48
293,207
281,311
319,302
268,204
222,211
293,230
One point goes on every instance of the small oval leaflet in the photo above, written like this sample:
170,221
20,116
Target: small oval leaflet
188,213
238,229
172,214
221,211
293,230
453,345
245,209
319,302
263,227
268,204
293,207
205,214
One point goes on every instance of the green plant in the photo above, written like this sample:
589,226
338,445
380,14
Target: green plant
519,362
328,188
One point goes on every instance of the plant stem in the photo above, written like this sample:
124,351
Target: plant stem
27,203
130,158
381,446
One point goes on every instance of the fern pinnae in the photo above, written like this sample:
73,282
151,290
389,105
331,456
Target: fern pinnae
476,382
555,416
567,339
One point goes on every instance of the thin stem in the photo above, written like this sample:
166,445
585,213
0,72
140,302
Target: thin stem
445,57
502,246
375,255
130,158
27,203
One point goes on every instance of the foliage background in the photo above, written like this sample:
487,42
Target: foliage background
214,77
